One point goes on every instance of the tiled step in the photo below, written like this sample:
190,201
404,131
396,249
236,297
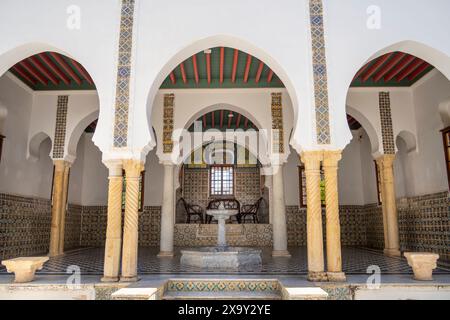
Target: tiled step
220,289
241,295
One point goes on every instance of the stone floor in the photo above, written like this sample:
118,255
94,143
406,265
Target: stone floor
355,261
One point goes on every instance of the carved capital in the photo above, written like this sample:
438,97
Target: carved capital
133,168
311,159
331,158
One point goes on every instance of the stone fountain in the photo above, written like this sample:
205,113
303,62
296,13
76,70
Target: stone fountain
222,257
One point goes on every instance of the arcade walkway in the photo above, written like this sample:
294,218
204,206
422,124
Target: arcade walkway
355,261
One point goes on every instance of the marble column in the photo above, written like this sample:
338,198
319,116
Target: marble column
133,169
386,166
167,213
333,228
57,205
279,215
314,233
65,191
114,224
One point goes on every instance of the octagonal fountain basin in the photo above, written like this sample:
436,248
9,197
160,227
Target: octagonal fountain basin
222,259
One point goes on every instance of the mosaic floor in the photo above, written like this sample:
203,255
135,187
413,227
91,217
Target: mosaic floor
355,261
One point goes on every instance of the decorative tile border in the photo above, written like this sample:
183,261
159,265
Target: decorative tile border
386,123
267,286
123,74
168,122
60,128
320,72
277,123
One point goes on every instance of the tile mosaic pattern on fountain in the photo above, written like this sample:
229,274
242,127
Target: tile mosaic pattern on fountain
319,62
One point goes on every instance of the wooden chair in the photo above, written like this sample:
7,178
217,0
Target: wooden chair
250,210
193,210
231,204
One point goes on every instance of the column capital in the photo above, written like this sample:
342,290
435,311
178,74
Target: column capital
115,167
386,160
61,164
311,159
133,168
332,158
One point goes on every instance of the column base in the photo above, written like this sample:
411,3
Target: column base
315,276
109,279
165,254
336,277
281,254
392,252
129,279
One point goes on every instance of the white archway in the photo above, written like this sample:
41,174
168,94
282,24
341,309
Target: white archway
369,128
147,140
72,143
35,144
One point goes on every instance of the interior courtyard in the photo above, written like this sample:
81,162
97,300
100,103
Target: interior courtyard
334,163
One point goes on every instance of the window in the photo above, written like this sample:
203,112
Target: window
141,191
221,180
302,186
446,137
1,145
377,174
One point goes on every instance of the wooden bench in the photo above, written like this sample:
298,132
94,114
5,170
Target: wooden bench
24,267
423,264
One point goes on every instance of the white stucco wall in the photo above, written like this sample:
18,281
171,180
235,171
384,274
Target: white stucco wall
19,175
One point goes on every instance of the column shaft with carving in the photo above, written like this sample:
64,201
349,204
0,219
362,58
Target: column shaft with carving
333,228
386,166
316,268
167,213
133,169
57,204
63,213
114,224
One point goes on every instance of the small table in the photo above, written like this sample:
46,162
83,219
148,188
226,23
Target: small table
221,215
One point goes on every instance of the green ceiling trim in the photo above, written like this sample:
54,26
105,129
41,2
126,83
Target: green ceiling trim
250,124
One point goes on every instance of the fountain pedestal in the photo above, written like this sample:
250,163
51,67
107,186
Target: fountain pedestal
222,257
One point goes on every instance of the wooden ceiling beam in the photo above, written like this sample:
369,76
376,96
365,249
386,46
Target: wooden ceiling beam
31,70
172,78
183,73
418,71
213,120
194,64
54,68
235,64
246,123
208,67
389,66
247,67
222,63
270,76
368,74
38,65
24,75
63,64
238,120
402,65
259,72
229,119
221,119
408,70
83,72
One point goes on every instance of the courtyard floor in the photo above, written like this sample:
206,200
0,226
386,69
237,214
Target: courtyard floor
355,261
